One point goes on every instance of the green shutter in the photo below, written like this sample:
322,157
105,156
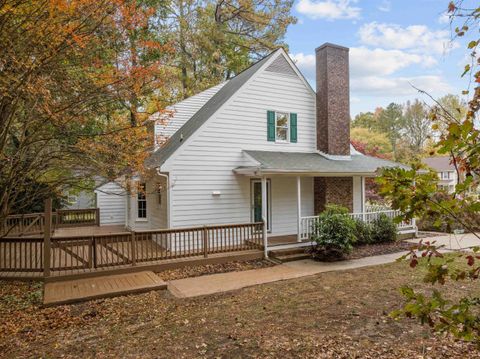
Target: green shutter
270,125
293,127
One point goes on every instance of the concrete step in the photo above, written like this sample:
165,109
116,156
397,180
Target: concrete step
289,255
293,257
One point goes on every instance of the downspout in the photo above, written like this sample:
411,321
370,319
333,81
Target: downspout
167,179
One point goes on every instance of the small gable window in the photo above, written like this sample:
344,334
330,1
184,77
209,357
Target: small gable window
281,126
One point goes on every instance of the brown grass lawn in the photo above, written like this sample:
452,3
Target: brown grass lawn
331,315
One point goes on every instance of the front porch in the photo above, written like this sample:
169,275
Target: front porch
313,180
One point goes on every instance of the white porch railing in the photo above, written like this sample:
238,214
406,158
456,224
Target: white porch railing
307,224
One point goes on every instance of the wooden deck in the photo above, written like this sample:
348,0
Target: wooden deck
81,251
71,291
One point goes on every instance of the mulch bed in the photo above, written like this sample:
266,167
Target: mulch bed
196,271
368,250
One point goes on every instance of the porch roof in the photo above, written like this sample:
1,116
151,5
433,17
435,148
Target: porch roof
312,163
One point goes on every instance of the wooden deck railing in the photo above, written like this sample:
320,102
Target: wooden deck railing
34,223
20,254
76,217
109,251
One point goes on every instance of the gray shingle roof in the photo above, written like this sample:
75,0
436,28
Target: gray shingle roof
315,162
157,158
440,163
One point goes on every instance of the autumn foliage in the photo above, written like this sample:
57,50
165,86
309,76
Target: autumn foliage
78,79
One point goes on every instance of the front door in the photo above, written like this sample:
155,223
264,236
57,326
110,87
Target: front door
256,205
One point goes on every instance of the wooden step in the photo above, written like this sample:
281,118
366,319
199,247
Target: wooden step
77,290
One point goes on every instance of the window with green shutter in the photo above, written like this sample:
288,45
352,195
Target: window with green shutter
271,125
293,127
281,126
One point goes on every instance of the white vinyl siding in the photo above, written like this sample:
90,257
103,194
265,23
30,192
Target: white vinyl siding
205,162
182,111
158,211
111,199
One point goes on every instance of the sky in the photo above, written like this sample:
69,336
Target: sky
394,44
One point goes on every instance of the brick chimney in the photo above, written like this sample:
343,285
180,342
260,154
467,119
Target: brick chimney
333,123
333,100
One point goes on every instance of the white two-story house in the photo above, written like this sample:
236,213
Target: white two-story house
447,175
262,146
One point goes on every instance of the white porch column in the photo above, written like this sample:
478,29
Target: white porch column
362,186
299,209
264,216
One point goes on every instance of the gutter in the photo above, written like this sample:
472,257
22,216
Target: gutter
167,179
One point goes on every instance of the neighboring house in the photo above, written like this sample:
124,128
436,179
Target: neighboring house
447,175
262,145
80,200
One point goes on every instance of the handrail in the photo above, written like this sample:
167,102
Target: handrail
83,253
34,223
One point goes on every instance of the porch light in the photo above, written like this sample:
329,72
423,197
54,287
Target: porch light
216,193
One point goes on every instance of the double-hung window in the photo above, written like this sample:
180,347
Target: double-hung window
141,201
281,126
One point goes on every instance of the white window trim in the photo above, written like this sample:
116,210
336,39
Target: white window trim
446,175
288,127
141,219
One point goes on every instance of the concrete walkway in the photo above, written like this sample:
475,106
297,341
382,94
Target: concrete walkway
224,282
453,241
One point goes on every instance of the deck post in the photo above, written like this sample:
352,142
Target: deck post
97,216
91,252
299,209
264,216
47,233
205,241
133,249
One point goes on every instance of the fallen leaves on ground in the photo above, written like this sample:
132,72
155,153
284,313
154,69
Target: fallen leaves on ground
195,271
330,315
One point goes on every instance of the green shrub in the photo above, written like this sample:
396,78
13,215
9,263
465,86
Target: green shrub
363,232
383,229
335,209
334,234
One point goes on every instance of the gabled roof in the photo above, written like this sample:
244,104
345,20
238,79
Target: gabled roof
206,111
299,162
183,111
439,163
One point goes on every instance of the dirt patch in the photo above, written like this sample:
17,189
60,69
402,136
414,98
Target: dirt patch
195,271
330,315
